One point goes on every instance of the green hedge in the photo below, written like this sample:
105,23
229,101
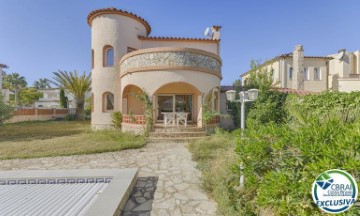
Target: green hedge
283,158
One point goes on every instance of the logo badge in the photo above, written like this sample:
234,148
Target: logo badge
334,191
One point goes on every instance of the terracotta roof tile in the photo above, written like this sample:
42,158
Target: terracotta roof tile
177,38
98,12
226,88
217,27
294,91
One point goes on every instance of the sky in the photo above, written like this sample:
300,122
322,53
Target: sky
39,37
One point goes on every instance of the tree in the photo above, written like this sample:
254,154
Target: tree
15,83
235,106
42,83
28,96
5,110
63,99
78,85
259,78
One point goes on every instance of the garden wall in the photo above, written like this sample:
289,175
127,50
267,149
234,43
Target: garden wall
37,114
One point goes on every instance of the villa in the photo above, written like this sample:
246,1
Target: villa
178,74
51,98
335,72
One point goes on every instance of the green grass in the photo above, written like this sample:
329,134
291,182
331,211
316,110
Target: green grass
219,164
58,138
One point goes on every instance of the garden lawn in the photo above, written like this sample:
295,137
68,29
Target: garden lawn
57,138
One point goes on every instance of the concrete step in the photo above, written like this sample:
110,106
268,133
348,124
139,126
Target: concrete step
177,129
173,140
184,134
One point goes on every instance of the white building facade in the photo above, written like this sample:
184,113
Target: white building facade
334,72
51,98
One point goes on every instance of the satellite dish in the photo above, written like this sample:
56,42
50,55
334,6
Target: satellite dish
340,56
207,32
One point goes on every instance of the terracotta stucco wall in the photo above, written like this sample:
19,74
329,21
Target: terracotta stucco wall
118,32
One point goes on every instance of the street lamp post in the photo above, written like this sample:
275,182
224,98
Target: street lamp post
245,96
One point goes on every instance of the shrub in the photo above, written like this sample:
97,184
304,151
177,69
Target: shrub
5,110
70,117
282,159
269,107
117,119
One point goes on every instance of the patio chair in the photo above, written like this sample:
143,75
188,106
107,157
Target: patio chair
169,118
181,118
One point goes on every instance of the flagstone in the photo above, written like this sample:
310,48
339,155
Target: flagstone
177,190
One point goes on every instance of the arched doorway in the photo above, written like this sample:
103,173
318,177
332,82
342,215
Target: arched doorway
130,104
177,97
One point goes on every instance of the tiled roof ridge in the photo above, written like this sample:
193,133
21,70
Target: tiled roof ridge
294,91
113,10
175,38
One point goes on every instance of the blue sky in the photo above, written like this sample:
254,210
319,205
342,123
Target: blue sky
39,37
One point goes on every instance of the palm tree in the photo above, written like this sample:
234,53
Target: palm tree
78,85
42,83
16,82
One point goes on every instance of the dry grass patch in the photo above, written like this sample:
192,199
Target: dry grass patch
57,138
219,165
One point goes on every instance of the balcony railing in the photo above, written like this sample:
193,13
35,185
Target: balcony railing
133,119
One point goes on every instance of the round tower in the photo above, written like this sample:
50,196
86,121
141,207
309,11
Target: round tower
114,33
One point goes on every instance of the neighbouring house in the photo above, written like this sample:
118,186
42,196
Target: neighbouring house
178,74
51,98
335,72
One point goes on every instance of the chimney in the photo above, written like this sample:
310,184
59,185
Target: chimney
342,51
215,32
298,68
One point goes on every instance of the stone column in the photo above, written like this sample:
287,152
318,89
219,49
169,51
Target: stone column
298,68
199,115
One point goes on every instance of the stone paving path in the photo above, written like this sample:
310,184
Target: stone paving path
141,198
178,189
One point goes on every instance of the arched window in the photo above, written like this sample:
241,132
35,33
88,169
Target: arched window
108,101
108,58
291,70
306,74
272,73
317,75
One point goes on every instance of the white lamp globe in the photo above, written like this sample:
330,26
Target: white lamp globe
230,95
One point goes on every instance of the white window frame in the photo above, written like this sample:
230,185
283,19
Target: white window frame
306,74
106,102
317,70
